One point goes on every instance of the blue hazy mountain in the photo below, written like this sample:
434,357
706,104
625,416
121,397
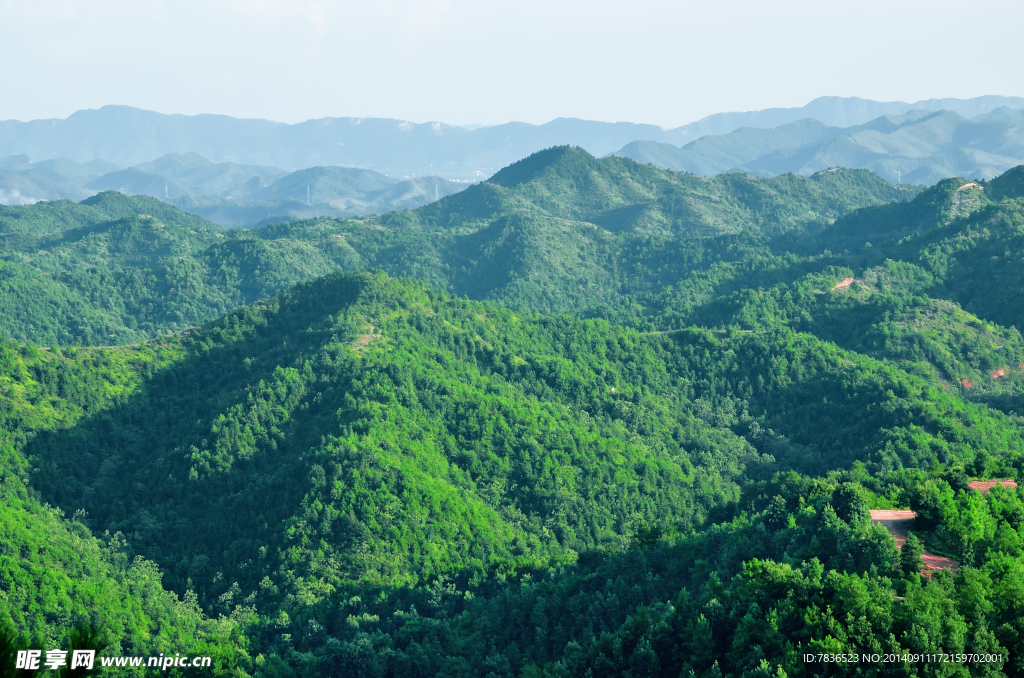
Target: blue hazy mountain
920,146
317,191
130,136
178,174
844,112
25,182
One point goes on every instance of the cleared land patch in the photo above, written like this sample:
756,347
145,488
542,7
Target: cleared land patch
986,485
898,524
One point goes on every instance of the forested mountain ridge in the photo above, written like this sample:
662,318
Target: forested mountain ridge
938,291
569,183
563,231
515,241
518,243
54,218
510,240
359,339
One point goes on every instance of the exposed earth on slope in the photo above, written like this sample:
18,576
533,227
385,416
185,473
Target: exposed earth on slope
898,523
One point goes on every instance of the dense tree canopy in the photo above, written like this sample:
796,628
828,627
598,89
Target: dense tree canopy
645,444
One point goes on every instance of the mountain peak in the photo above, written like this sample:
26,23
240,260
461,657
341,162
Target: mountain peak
530,167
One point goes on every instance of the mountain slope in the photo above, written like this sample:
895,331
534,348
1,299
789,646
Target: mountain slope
563,230
62,586
491,476
21,225
115,269
409,435
560,231
359,446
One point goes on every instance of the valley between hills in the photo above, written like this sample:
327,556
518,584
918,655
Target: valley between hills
589,417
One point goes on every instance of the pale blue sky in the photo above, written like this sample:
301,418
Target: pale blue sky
465,61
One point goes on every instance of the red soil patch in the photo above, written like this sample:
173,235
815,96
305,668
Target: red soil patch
985,485
1001,372
934,562
967,383
361,342
886,514
842,284
898,524
970,185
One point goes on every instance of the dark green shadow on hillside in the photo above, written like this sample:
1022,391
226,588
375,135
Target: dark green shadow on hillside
141,486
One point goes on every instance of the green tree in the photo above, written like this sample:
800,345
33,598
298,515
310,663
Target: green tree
910,555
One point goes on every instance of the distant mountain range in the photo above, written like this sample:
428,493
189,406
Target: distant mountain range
843,112
919,146
230,194
129,136
251,172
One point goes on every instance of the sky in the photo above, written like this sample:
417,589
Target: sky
478,61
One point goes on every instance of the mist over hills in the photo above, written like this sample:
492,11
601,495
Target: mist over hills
920,146
178,174
239,172
129,136
23,182
229,194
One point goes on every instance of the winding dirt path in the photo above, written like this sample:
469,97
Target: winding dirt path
898,524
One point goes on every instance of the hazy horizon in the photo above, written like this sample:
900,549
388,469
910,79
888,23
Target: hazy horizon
476,126
461,63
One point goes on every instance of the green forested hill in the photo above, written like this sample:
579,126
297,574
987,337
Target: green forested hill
114,269
359,450
559,231
618,195
366,475
462,423
54,218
